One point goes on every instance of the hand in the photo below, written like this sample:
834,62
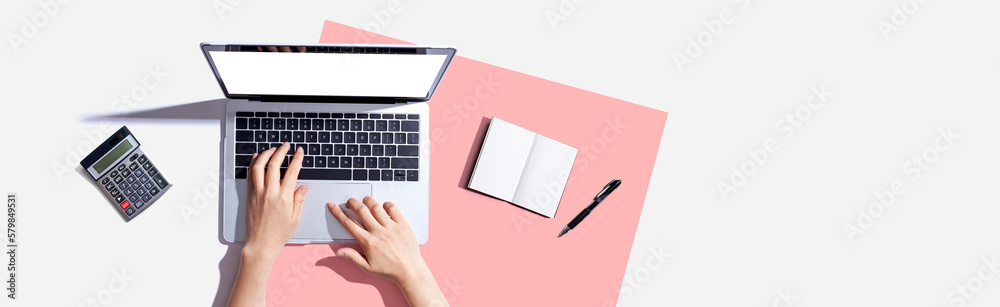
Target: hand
273,211
391,250
390,247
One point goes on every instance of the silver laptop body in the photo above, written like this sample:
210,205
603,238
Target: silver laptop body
382,88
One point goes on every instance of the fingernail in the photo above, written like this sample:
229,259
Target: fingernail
340,254
284,144
298,149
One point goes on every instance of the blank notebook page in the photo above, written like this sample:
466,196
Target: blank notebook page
522,167
544,176
501,160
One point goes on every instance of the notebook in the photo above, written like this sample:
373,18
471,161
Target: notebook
522,167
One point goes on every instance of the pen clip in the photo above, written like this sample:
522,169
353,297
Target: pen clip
610,187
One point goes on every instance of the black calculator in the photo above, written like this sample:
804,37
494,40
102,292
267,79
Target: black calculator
126,174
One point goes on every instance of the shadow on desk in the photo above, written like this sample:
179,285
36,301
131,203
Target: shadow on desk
206,110
391,295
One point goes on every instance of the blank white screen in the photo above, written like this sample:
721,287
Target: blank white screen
328,74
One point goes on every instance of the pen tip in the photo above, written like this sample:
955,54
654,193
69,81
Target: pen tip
564,231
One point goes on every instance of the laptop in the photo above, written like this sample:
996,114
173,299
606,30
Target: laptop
358,112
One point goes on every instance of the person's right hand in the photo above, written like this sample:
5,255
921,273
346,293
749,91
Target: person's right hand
390,247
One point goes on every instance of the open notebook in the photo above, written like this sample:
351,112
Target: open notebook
522,167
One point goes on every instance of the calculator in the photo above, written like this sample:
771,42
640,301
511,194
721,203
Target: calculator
125,173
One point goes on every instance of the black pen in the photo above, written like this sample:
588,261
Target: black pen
597,200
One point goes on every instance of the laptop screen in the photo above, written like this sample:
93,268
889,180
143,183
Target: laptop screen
409,73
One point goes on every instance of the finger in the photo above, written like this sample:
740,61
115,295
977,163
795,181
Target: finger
274,166
258,168
395,213
350,224
354,256
377,211
297,200
292,173
250,185
363,213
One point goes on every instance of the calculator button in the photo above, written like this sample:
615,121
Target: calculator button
148,185
146,197
138,172
127,191
114,173
133,157
130,179
125,173
147,165
129,211
133,166
142,159
138,204
109,186
152,171
143,179
160,181
140,191
135,185
106,180
124,204
123,185
133,197
121,167
153,191
114,192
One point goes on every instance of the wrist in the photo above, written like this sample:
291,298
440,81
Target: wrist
415,275
256,254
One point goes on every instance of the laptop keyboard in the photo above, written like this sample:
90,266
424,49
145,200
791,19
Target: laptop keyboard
337,146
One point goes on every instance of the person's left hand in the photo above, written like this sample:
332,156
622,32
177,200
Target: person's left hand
273,211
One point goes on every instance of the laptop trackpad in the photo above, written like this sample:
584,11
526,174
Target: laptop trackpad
317,223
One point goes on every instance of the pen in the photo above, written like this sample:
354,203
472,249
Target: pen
597,200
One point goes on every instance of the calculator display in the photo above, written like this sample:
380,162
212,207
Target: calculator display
112,156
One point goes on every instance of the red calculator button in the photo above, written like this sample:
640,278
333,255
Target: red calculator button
124,205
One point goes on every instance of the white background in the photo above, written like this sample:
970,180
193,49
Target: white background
782,231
